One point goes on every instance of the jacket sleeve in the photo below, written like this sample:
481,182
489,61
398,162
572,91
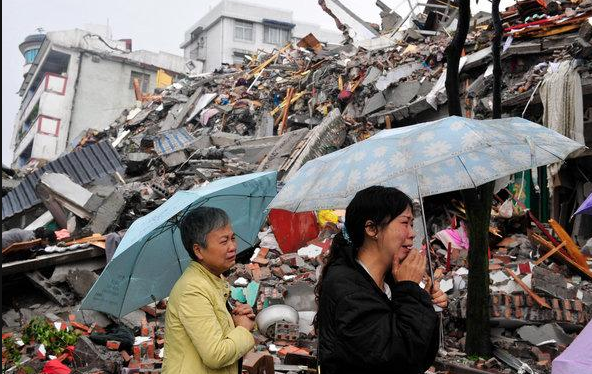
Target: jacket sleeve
402,334
196,313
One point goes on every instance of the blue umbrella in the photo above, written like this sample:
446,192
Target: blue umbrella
151,256
449,154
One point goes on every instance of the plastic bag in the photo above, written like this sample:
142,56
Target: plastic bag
506,209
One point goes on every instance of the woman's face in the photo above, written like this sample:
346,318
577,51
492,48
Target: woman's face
220,253
397,237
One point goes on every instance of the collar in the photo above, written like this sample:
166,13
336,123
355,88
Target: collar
219,283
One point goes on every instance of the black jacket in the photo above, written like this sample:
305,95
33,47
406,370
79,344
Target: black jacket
362,331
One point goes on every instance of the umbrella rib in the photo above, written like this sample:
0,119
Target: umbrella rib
467,170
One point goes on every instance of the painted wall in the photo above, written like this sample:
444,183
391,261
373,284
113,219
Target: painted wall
103,92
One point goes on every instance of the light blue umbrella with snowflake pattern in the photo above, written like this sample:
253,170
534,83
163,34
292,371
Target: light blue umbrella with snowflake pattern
449,154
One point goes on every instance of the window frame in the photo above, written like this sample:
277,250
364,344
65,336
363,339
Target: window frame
267,29
243,26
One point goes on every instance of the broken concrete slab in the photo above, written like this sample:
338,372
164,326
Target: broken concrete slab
372,75
61,271
225,139
58,191
402,94
174,159
374,103
551,283
282,149
56,294
396,74
545,334
134,319
107,213
91,356
88,317
11,318
81,281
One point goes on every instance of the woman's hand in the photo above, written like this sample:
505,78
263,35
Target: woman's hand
243,315
439,298
411,269
243,309
244,321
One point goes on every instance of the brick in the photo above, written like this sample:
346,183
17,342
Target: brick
144,331
495,311
137,353
126,356
566,305
567,316
263,252
150,352
517,301
578,305
540,355
112,345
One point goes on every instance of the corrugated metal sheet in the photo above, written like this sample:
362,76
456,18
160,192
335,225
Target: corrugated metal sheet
172,141
82,166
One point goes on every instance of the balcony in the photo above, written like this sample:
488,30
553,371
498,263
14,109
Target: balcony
39,121
51,84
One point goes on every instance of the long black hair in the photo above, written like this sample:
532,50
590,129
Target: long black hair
377,204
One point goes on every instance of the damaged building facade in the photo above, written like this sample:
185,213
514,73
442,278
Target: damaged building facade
79,79
234,29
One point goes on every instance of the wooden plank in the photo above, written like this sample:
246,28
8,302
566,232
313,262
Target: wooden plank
50,260
16,247
572,248
289,95
549,254
536,297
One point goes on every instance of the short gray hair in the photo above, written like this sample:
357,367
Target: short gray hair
198,223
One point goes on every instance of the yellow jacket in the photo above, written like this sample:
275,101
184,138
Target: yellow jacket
200,336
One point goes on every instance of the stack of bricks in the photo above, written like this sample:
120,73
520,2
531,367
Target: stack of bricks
523,307
144,356
286,332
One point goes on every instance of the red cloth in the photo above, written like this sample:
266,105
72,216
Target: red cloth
55,367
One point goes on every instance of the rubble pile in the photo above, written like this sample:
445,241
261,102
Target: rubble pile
277,111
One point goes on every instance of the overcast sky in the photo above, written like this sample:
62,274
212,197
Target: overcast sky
152,25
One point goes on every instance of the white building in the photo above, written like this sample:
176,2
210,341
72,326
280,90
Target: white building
77,80
233,29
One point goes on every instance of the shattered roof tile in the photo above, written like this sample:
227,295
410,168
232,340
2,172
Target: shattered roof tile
82,166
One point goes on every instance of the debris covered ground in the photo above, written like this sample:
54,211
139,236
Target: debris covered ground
275,112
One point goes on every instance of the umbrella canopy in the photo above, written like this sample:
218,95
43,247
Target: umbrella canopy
425,159
576,358
151,256
586,207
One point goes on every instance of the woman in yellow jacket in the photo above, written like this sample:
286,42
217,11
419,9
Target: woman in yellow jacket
201,335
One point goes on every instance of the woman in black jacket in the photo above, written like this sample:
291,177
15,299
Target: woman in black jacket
373,316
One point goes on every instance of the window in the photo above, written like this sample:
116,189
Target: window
243,30
143,78
30,55
238,56
276,35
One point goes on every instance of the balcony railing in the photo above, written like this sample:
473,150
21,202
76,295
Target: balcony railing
52,83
